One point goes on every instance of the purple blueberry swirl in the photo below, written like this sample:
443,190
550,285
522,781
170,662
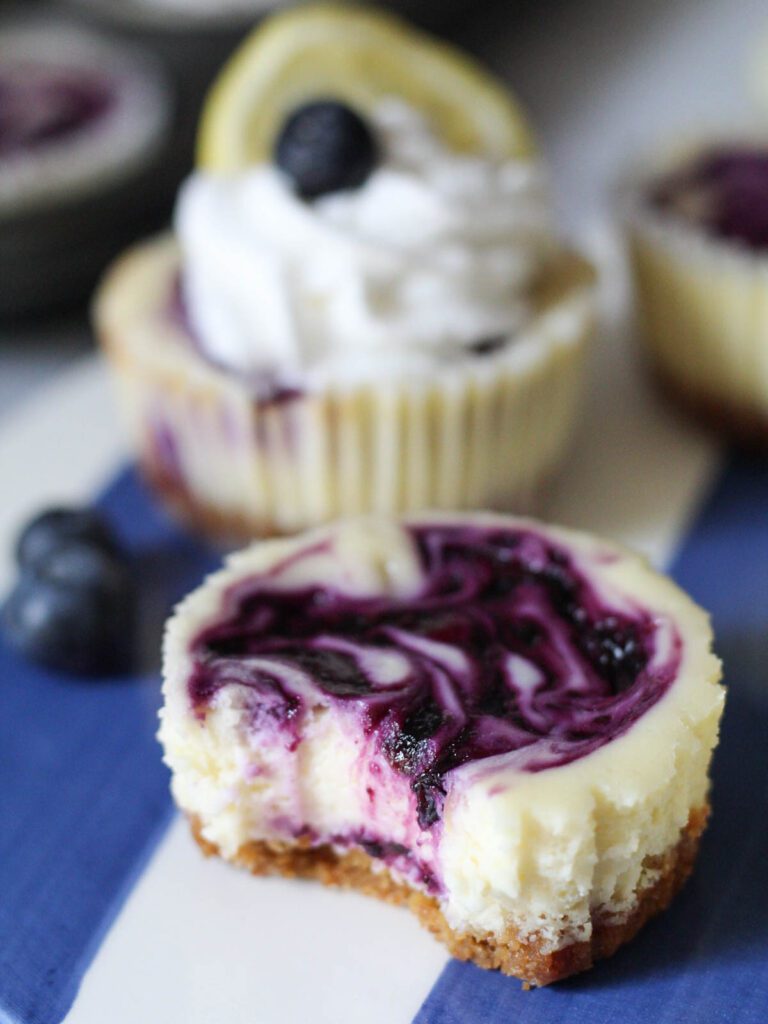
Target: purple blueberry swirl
507,647
724,191
41,105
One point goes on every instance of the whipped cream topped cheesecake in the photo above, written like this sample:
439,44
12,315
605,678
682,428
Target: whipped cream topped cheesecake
506,726
365,307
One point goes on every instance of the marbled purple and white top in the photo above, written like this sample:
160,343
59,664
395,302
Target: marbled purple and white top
506,646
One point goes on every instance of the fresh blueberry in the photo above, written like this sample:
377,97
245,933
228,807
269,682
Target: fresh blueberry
325,147
51,528
79,565
74,612
65,628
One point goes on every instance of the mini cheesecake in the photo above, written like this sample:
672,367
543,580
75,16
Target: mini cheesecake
365,306
503,725
83,127
698,238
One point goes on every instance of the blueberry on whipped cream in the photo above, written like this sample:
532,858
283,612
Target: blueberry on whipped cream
325,147
512,720
408,252
72,608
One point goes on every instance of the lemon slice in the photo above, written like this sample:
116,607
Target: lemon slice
357,55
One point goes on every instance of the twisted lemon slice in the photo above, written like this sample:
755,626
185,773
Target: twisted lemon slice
358,56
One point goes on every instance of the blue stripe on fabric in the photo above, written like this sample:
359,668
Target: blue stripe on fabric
84,799
706,959
83,793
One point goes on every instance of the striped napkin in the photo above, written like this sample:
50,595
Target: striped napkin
84,803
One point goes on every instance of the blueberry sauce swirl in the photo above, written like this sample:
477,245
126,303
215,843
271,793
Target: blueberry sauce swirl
40,105
723,190
507,647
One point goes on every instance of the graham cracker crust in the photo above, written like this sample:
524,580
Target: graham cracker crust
511,953
746,426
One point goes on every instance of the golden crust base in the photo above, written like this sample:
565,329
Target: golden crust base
522,957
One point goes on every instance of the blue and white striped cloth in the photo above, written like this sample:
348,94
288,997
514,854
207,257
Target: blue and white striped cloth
84,803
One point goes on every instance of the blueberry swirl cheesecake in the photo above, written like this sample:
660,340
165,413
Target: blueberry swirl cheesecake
503,725
364,307
698,236
82,119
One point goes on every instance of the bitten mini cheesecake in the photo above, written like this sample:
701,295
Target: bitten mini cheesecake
504,725
365,307
698,235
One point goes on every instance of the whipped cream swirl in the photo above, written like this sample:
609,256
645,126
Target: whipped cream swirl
435,253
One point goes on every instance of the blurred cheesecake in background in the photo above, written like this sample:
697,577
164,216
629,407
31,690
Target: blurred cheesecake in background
366,306
697,227
83,125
